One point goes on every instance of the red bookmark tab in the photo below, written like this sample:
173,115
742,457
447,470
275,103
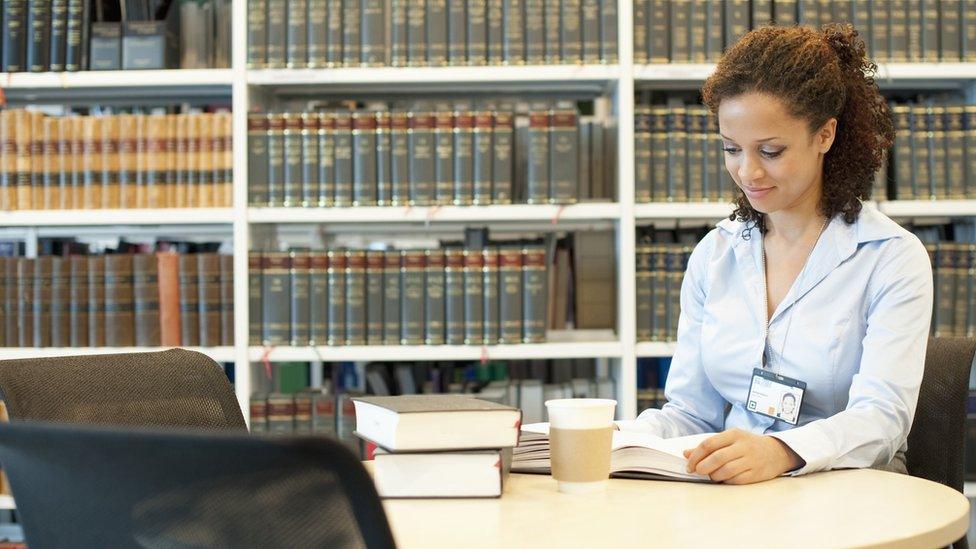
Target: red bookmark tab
370,451
558,214
3,98
484,355
266,360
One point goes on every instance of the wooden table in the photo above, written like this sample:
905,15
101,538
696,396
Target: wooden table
852,508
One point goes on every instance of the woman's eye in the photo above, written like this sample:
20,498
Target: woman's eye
772,154
730,150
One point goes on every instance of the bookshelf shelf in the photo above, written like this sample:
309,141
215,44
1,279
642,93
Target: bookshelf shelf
220,354
401,214
7,502
655,349
682,210
673,73
160,80
928,208
80,218
596,349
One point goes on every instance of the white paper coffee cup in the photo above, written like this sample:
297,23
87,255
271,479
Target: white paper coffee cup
580,435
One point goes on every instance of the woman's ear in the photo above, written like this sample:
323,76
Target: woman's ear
825,135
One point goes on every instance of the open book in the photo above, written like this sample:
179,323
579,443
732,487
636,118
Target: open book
633,454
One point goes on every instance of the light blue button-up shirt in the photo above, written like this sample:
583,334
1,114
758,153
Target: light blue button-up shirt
860,311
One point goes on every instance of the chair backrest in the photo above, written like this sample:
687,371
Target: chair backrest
98,486
174,388
936,441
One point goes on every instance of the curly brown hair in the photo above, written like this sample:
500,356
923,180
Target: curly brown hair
818,75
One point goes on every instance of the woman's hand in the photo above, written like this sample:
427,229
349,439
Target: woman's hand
740,457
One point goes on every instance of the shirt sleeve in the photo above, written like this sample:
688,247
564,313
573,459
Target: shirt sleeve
694,406
884,392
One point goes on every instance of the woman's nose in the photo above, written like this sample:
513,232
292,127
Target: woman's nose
749,169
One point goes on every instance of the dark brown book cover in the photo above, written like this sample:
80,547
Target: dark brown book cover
355,297
25,307
434,333
119,299
318,298
42,301
78,308
208,296
60,301
189,300
96,301
227,300
300,294
170,317
145,293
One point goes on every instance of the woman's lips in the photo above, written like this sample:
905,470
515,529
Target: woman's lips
756,192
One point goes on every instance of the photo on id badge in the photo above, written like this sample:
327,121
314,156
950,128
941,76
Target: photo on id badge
775,396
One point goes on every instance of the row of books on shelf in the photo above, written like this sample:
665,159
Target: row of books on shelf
662,256
333,33
118,299
893,30
368,158
954,272
934,154
115,161
75,35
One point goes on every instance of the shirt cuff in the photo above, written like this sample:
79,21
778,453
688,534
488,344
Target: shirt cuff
811,444
638,425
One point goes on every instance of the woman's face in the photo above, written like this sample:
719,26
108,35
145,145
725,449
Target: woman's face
771,155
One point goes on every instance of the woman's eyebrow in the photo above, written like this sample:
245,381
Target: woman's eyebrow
758,140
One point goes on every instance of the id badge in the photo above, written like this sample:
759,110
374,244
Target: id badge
775,396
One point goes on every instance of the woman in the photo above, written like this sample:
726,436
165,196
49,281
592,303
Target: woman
803,290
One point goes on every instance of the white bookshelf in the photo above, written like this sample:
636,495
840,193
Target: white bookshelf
617,80
220,354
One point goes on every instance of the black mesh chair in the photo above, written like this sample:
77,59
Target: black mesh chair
937,438
97,486
174,388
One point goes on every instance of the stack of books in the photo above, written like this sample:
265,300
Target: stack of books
438,446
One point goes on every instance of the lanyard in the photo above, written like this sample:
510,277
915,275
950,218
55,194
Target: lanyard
768,356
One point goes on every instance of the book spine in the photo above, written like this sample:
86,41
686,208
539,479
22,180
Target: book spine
443,157
208,298
969,144
434,298
25,304
276,158
255,311
412,266
6,314
490,281
336,275
551,30
762,13
510,295
502,167
364,159
399,159
457,32
73,33
334,33
930,30
417,32
205,181
355,297
296,49
921,137
316,33
145,292
736,20
384,180
391,297
495,32
697,39
937,153
343,160
259,414
696,153
477,32
170,322
351,35
23,143
226,300
310,159
281,414
437,32
583,162
641,31
899,44
785,12
326,156
257,34
535,49
563,150
41,301
292,169
904,186
474,306
39,35
275,298
373,49
608,31
454,295
968,30
537,183
398,32
37,161
513,19
644,294
959,301
421,139
96,301
534,293
11,327
950,26
13,52
482,162
60,299
77,302
374,297
299,293
659,298
945,263
189,300
590,31
277,33
318,311
680,26
677,158
463,192
642,154
111,137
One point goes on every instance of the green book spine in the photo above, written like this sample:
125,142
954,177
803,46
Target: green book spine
434,329
437,32
551,26
255,309
644,294
300,294
343,159
514,32
477,32
495,32
641,30
590,31
510,294
384,181
374,297
904,185
373,49
334,33
463,157
412,265
355,297
391,297
535,50
474,325
351,33
292,172
275,298
677,156
534,293
398,32
642,154
444,157
257,159
14,54
502,158
190,300
608,31
457,32
318,287
73,36
950,26
296,49
399,159
454,295
563,150
364,159
421,139
310,159
337,297
538,161
490,281
39,35
276,159
326,156
277,33
482,143
316,33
